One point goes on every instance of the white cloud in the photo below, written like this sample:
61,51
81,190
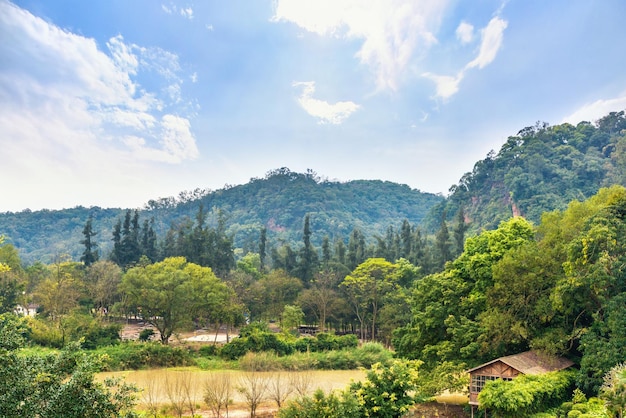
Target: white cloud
491,42
186,12
492,37
334,113
465,32
391,30
591,112
447,86
64,100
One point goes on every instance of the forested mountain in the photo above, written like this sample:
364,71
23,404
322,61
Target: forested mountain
277,202
540,169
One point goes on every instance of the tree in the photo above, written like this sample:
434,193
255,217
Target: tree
442,243
11,277
320,296
459,231
613,390
291,318
262,247
389,390
90,254
55,385
308,254
103,279
170,293
367,287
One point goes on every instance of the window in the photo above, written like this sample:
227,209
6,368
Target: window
478,382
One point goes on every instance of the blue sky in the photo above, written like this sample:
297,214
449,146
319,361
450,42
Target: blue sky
112,102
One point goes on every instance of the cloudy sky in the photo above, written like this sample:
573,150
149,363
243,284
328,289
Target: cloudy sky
113,102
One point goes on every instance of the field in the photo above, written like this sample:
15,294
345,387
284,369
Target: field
164,387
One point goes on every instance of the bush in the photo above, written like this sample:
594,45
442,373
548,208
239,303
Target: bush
526,394
44,335
135,355
146,334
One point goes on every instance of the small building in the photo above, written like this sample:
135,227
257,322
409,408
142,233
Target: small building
28,310
509,367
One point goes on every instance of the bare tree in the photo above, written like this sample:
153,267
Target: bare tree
253,386
301,382
217,393
151,395
189,392
175,391
279,388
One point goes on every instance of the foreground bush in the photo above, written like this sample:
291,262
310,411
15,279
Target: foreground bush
387,392
526,394
55,385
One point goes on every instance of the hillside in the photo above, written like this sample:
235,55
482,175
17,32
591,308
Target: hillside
279,202
540,169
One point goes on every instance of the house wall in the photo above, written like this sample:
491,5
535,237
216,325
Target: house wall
492,371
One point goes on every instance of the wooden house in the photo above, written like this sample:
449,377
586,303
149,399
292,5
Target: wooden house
509,367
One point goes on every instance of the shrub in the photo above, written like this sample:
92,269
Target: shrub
135,355
526,394
146,334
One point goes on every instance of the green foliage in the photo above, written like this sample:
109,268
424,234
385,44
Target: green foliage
171,293
525,394
613,390
540,169
320,405
387,392
280,200
146,334
326,342
134,356
257,338
447,307
58,384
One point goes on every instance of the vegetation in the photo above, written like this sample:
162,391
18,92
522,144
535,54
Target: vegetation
552,280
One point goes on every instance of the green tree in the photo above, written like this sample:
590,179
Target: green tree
90,254
170,293
55,385
367,287
389,390
308,255
613,390
291,317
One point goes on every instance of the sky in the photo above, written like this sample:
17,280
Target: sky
113,103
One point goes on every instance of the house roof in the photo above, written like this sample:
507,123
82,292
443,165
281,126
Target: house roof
531,362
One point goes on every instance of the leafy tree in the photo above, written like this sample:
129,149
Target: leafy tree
171,293
447,306
291,317
321,296
55,385
367,287
613,390
12,283
102,279
389,390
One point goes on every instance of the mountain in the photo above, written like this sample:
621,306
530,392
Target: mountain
278,202
540,169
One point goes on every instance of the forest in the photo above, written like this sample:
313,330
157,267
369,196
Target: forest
527,253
